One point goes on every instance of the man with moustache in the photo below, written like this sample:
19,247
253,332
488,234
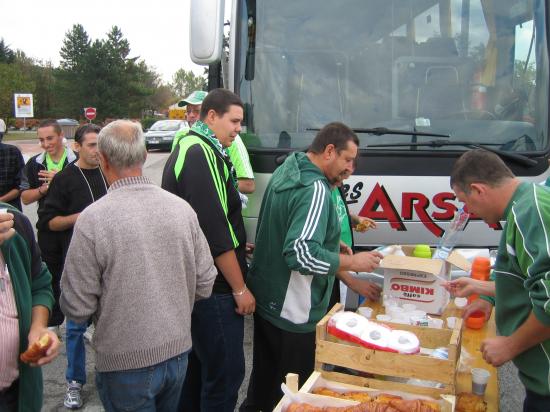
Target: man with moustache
295,261
35,183
73,189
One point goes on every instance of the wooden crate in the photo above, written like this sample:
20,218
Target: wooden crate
380,364
447,401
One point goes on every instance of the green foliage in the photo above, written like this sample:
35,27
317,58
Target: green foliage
7,55
184,82
147,122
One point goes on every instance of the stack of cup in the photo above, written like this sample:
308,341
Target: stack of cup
480,377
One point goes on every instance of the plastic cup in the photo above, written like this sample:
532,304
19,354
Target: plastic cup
476,320
480,377
418,313
461,302
422,251
395,311
3,210
365,311
451,322
409,307
435,323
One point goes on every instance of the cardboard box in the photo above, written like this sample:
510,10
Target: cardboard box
418,280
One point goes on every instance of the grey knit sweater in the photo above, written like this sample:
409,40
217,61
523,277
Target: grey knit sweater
137,262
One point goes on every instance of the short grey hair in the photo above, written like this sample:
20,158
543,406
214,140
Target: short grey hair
123,144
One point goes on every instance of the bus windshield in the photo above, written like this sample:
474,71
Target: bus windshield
475,70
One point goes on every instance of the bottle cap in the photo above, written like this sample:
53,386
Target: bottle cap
422,251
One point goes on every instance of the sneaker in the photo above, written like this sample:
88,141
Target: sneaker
73,400
89,334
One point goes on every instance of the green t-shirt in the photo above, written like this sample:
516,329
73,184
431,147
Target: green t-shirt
343,218
239,157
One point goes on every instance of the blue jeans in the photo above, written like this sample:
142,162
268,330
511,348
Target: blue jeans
216,364
154,388
535,402
76,352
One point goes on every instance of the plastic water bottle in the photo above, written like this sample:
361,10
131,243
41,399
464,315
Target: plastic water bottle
451,235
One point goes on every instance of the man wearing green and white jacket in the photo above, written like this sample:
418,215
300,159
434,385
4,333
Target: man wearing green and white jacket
521,274
296,258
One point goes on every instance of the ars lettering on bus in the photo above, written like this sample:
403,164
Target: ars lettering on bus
380,207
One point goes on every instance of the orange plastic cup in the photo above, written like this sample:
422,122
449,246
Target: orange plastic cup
476,320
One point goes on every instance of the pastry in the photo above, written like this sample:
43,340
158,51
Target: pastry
37,350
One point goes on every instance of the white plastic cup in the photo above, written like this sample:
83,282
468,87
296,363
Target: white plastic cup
461,302
395,311
418,313
365,311
435,323
409,307
3,210
480,377
383,318
451,322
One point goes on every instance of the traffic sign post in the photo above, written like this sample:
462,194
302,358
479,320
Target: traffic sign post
90,113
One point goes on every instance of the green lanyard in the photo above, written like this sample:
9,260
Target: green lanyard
51,165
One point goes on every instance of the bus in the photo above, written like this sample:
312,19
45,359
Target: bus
420,81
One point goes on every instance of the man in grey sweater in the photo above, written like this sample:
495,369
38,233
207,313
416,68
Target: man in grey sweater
137,262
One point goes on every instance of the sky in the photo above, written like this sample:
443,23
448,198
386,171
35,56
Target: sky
157,31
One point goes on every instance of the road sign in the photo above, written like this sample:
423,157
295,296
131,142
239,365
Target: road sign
23,105
90,113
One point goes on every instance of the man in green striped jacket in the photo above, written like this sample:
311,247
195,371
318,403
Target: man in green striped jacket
490,190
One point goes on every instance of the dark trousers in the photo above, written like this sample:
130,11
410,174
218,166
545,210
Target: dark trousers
535,402
216,363
51,249
9,398
276,352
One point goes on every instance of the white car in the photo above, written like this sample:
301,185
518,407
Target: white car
161,134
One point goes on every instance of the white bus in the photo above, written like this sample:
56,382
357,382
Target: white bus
421,81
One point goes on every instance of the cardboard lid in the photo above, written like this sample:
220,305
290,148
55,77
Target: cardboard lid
421,264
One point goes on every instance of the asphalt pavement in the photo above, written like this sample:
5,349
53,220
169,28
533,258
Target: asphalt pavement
511,390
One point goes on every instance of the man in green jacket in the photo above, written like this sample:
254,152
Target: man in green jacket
26,299
490,190
296,258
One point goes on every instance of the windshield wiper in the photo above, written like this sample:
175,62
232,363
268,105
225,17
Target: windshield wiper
379,131
518,158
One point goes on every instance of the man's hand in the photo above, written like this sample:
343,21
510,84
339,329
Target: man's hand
478,305
362,224
366,288
345,249
497,350
246,303
6,227
366,261
461,287
46,176
52,352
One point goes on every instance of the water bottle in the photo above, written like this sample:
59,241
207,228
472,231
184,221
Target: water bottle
451,235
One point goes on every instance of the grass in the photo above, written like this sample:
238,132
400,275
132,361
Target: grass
17,135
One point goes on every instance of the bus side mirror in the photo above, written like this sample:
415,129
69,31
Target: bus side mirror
206,30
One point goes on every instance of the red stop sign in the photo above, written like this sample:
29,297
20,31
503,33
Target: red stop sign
90,113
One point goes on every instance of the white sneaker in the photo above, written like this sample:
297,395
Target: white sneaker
73,399
89,334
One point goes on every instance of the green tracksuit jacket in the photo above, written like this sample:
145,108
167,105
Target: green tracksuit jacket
522,278
297,245
32,284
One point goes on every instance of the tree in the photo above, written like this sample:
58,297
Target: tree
184,82
6,54
75,46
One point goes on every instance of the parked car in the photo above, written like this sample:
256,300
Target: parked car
161,134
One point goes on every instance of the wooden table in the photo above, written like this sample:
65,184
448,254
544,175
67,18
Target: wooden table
471,341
